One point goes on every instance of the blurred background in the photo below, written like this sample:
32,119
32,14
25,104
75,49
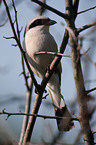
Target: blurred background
12,84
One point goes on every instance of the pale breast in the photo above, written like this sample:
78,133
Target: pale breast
41,42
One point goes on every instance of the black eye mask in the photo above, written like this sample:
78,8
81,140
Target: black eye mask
38,22
35,23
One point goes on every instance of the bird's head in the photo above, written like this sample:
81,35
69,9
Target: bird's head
40,22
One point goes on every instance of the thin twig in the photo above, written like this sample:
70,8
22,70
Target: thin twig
52,53
84,51
27,109
36,115
9,37
17,25
86,27
91,90
94,132
42,9
65,16
24,74
28,86
19,45
86,10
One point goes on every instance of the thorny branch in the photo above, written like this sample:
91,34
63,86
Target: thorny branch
29,85
36,115
17,26
17,38
25,76
19,44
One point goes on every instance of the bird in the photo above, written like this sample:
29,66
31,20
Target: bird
37,39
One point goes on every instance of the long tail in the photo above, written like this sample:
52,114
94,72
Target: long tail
60,108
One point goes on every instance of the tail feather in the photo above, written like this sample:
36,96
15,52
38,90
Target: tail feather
64,124
60,108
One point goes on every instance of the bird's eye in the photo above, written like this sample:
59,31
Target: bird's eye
38,22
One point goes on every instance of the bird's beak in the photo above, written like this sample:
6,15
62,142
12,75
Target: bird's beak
51,22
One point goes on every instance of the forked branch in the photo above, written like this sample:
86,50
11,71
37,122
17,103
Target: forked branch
79,81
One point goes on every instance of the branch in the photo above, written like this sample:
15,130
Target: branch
19,44
65,16
41,9
84,52
9,37
86,10
28,86
75,7
93,132
86,27
52,53
17,26
79,81
91,90
27,108
36,115
24,74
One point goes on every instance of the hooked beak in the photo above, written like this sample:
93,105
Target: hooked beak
51,22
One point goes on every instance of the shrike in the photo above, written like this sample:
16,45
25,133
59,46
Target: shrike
38,38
